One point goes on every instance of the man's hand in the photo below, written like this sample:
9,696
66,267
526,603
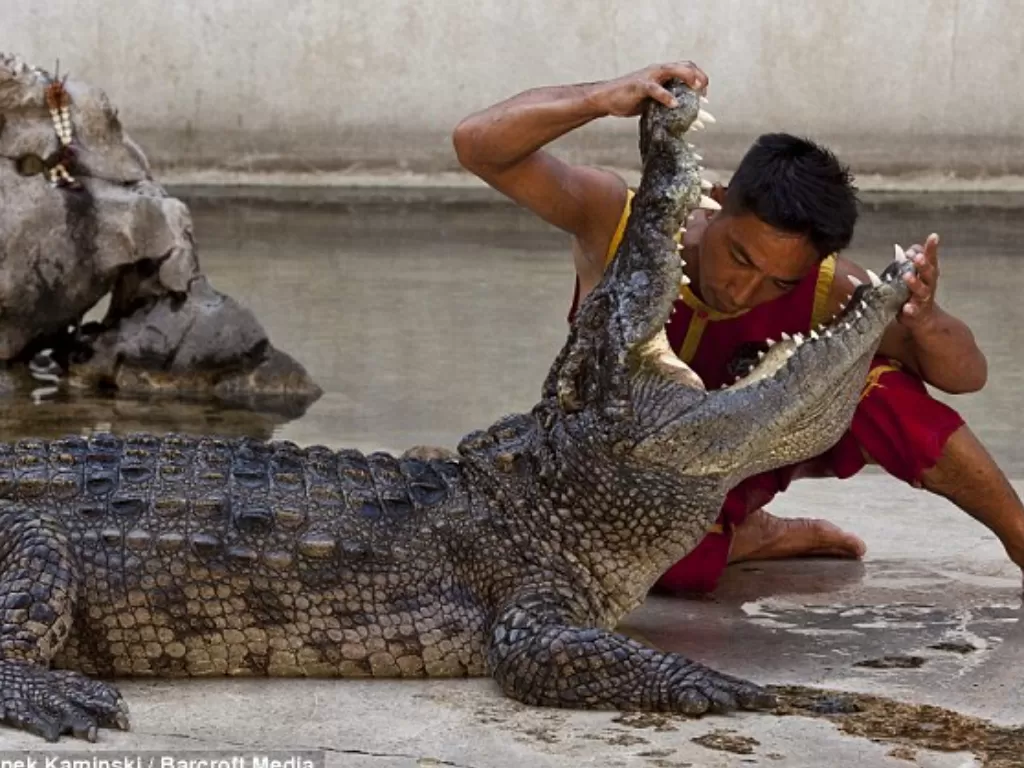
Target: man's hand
625,96
919,310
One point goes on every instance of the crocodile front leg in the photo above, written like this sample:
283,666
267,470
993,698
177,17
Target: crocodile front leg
540,655
39,581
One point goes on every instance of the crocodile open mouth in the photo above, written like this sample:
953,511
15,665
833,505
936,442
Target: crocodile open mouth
857,319
861,313
837,344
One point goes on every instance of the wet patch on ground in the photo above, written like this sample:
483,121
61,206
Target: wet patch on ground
890,618
903,753
892,662
725,740
909,726
952,647
653,720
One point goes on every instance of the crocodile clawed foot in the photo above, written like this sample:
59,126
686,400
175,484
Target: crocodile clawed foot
51,703
701,690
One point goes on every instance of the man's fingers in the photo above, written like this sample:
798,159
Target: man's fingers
927,262
658,93
917,287
931,249
686,71
927,271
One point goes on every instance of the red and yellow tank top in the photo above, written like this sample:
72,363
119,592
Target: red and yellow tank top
720,346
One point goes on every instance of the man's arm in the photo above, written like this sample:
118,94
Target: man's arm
939,347
503,146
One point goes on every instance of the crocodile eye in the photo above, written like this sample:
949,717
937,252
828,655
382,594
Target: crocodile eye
30,165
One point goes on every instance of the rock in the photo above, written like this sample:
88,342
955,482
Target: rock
102,225
202,344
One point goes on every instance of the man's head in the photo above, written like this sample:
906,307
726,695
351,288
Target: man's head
789,205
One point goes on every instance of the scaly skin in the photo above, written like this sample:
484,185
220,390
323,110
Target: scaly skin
178,556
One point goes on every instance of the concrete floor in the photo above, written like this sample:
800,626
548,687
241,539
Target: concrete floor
807,622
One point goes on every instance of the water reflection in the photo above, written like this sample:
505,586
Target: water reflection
31,409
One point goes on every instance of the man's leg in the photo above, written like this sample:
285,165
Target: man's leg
746,531
763,536
901,428
968,476
915,438
965,473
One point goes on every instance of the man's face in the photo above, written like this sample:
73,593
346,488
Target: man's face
745,262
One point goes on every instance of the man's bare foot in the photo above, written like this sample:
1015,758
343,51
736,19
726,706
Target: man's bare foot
763,536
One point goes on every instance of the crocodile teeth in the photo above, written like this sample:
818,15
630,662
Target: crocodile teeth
703,99
799,338
863,304
760,354
771,343
697,157
706,185
684,280
875,280
707,202
855,280
786,336
901,255
706,116
814,334
828,334
859,314
846,326
789,353
697,125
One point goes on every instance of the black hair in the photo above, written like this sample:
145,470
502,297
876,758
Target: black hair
796,186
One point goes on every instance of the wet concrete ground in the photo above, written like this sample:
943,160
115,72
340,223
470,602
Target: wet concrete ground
421,325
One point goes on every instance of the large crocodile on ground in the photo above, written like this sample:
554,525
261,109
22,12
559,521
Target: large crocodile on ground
174,556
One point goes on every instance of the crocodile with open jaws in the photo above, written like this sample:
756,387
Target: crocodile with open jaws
171,556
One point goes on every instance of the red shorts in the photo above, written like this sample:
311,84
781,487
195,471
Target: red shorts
897,423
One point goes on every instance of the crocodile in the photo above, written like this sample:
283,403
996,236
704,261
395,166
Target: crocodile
515,558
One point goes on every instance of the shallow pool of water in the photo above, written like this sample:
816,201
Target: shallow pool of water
422,322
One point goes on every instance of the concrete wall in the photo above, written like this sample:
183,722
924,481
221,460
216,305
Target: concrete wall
356,84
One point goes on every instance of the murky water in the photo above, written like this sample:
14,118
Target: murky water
424,322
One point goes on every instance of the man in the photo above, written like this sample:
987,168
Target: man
767,264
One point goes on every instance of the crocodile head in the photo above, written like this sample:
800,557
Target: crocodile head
78,207
795,403
642,421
